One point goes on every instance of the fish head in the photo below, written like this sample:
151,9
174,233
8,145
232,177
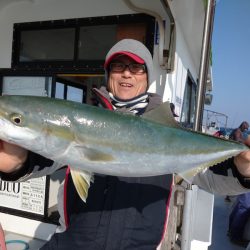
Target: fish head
18,120
39,124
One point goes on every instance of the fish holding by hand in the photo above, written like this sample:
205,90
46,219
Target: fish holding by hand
95,140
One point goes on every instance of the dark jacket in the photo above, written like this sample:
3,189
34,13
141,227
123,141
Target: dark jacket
120,213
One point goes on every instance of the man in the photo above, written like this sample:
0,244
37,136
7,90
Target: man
240,213
238,134
121,212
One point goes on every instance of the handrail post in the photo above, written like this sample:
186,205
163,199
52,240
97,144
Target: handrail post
204,64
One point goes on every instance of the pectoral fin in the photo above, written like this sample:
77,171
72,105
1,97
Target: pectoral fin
81,180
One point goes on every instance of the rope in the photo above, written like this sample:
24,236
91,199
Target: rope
26,245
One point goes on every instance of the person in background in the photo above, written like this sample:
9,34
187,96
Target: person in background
241,208
220,133
121,212
239,134
238,219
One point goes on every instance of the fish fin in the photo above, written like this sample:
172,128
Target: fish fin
81,180
92,154
190,173
187,175
163,115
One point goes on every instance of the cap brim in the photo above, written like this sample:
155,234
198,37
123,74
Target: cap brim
126,53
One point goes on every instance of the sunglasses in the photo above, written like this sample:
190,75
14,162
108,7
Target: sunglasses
134,68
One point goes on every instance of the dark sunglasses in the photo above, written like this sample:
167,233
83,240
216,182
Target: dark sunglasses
135,68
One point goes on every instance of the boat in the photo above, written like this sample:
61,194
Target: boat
56,48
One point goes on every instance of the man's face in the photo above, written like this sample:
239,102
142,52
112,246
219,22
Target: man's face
245,127
126,85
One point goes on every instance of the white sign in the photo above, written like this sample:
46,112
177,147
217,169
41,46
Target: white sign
17,85
27,196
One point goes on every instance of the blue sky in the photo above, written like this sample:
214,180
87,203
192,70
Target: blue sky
231,61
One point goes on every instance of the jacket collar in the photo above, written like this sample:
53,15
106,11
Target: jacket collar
103,97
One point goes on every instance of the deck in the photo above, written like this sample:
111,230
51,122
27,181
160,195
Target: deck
220,241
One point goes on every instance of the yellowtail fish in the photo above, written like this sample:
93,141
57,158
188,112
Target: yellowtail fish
95,140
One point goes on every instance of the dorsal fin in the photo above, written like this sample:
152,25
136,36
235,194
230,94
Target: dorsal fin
163,115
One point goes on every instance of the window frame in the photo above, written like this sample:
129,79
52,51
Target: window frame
86,66
192,85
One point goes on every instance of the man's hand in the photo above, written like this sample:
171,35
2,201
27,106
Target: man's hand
12,157
242,162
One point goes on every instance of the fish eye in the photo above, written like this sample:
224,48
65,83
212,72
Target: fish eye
16,119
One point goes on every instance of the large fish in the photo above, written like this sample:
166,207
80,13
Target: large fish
95,140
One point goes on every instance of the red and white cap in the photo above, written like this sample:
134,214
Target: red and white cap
133,56
133,49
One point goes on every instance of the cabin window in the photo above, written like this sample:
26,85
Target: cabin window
64,90
36,45
77,87
189,103
74,87
75,44
91,45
